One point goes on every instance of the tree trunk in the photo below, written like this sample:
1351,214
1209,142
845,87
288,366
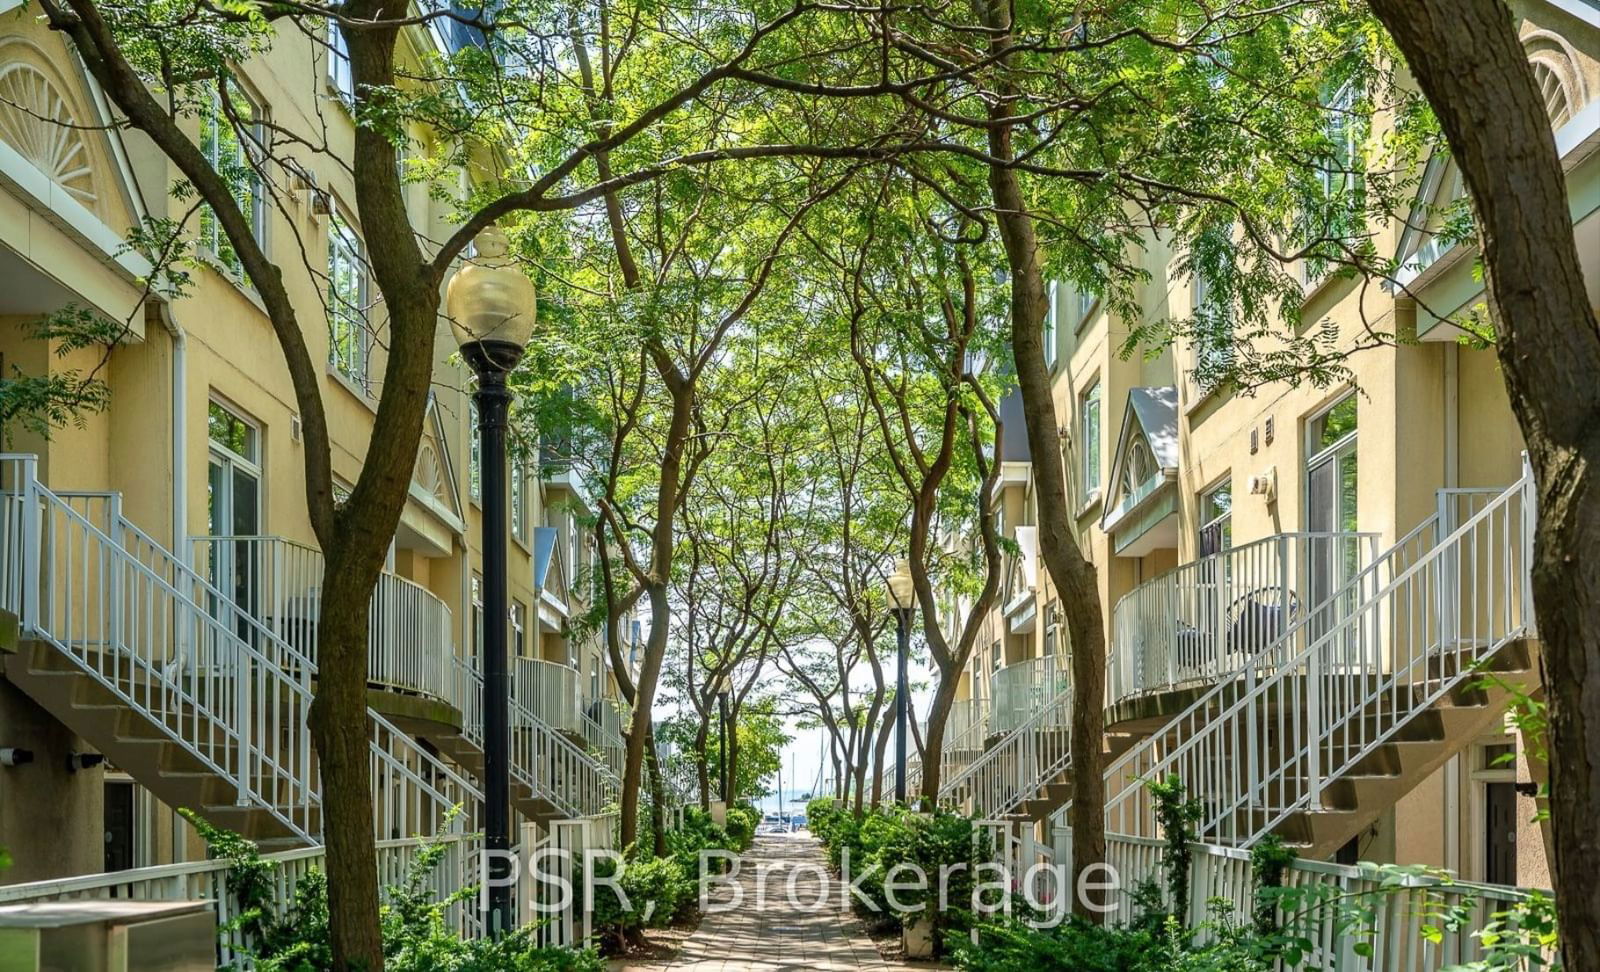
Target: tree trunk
649,675
1075,578
658,795
702,739
933,742
1469,63
879,747
341,733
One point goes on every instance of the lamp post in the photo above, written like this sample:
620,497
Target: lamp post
491,307
723,687
902,601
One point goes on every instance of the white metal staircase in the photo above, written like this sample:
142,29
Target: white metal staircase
1361,697
140,655
551,777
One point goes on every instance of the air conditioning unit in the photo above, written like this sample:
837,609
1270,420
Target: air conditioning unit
1264,484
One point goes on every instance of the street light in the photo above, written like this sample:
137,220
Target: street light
491,307
902,601
724,685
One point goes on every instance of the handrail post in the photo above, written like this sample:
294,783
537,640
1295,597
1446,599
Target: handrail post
115,600
1530,509
33,560
1314,723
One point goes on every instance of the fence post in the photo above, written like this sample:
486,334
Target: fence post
115,599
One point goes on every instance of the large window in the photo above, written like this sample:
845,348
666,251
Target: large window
1049,335
519,506
519,630
231,156
1213,335
1216,518
1331,470
477,615
1089,420
474,453
347,300
340,78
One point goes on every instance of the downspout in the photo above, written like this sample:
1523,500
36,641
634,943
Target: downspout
180,492
1452,479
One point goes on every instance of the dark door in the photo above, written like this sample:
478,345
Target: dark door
1500,833
119,825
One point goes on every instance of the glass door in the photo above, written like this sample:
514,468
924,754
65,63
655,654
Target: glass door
1331,510
233,508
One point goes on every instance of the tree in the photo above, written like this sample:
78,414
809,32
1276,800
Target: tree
162,64
1471,65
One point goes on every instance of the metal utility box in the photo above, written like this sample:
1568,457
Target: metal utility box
108,936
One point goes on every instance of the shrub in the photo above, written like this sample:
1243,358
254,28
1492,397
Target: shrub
741,825
658,892
292,936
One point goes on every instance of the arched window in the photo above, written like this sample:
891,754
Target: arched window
1556,72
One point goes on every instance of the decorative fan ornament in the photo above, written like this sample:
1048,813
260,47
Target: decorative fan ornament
36,122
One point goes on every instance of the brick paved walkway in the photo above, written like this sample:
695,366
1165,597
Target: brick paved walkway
769,933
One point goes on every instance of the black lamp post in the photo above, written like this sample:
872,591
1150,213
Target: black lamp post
722,736
491,306
902,601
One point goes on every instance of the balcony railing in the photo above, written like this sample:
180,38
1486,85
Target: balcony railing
549,691
603,722
278,582
1019,690
1203,620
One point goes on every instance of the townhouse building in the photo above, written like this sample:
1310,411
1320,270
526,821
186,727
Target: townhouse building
1298,582
159,576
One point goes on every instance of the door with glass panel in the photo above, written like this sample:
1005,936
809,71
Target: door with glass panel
1331,510
233,511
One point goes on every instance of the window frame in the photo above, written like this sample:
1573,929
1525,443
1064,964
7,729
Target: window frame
340,75
214,127
1050,333
1091,405
1223,520
346,245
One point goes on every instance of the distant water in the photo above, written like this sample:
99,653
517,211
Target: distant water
794,801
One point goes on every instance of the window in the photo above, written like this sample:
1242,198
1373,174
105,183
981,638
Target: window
1216,518
477,615
1049,336
1089,413
996,657
519,625
1086,302
1052,627
574,540
1213,335
474,453
519,510
1341,129
232,433
347,300
231,156
340,78
1331,470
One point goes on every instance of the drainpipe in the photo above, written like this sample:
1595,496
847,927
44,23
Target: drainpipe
1452,478
180,466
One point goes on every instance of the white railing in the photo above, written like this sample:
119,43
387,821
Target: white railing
543,760
1205,619
1345,677
602,722
965,731
210,880
1396,919
410,637
1022,688
1010,772
171,646
549,691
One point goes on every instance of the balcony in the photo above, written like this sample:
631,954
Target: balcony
1020,689
278,582
1202,621
550,691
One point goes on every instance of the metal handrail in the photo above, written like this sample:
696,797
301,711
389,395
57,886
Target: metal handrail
1203,620
409,630
1346,676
